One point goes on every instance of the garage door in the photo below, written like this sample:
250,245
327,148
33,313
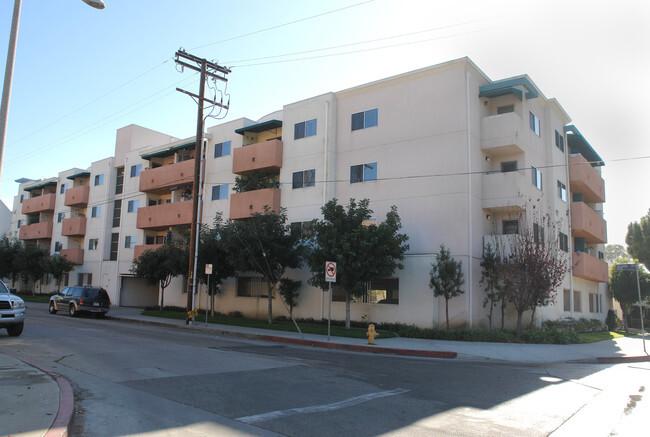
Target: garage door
138,292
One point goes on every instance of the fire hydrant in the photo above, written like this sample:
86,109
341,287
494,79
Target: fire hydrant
371,334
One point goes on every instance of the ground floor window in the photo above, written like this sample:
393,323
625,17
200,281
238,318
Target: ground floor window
85,279
595,303
252,287
381,291
567,300
577,307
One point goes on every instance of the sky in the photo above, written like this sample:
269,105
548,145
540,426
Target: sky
81,73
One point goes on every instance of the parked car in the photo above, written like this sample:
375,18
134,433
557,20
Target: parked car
12,311
81,299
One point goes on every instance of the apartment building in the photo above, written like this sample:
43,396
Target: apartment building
468,161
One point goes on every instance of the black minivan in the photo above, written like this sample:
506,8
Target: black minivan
81,299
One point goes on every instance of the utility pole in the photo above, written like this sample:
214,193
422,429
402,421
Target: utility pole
209,71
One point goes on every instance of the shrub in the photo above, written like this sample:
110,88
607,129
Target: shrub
238,314
612,321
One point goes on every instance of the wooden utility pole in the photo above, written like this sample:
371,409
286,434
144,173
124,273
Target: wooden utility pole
208,70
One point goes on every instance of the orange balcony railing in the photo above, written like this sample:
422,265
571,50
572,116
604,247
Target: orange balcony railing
584,179
589,267
161,179
74,255
242,205
588,224
266,155
77,196
42,203
73,227
36,231
142,248
163,216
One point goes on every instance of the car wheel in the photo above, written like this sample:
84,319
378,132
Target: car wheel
73,310
15,330
52,308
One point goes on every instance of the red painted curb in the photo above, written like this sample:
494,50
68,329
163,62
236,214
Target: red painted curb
59,427
359,348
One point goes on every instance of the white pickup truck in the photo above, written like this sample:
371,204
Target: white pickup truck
12,311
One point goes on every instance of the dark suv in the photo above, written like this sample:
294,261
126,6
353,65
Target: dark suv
81,299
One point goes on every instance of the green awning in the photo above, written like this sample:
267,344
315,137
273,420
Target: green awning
260,127
169,151
83,174
503,87
578,144
43,185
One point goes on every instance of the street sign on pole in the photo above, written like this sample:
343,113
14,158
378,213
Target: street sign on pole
625,266
208,269
330,271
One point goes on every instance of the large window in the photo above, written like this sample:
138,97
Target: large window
537,177
133,205
135,170
561,191
363,172
119,180
362,120
220,192
252,287
304,129
559,140
115,241
534,124
306,178
222,149
382,291
117,211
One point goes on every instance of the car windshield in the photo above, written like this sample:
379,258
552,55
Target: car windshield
3,288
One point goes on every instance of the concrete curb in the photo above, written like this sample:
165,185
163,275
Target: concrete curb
618,360
61,424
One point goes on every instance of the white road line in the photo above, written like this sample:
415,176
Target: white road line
320,408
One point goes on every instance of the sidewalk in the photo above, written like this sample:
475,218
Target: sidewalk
41,402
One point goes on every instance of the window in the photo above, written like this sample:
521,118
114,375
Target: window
306,178
115,241
119,180
510,227
508,166
363,172
564,242
96,211
601,255
538,233
222,149
559,140
382,291
18,223
362,120
537,177
61,190
594,303
304,229
567,300
252,287
99,179
534,124
117,211
561,191
304,129
577,307
92,244
135,170
22,197
60,216
129,242
505,109
57,246
220,192
133,205
82,279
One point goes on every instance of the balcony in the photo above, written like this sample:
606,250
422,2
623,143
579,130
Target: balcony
74,255
160,217
74,227
260,156
36,231
588,224
584,179
161,179
77,196
42,203
589,267
242,205
500,134
507,192
142,248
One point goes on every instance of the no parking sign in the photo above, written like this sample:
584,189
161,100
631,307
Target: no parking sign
330,271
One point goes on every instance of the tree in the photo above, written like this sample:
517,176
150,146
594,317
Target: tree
638,240
266,244
614,252
213,251
491,281
446,278
289,291
623,286
10,249
58,266
362,252
535,267
159,266
31,261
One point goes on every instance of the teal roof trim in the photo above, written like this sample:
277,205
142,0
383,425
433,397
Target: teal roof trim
169,151
83,174
260,127
502,92
43,185
578,144
506,87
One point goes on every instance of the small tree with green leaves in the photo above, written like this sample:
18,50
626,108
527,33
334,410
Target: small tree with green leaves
212,250
159,266
58,266
289,292
623,287
446,278
31,260
491,282
10,248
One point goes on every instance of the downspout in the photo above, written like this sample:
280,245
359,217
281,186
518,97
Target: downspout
469,204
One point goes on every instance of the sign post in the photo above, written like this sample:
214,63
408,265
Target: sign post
635,267
208,271
330,276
